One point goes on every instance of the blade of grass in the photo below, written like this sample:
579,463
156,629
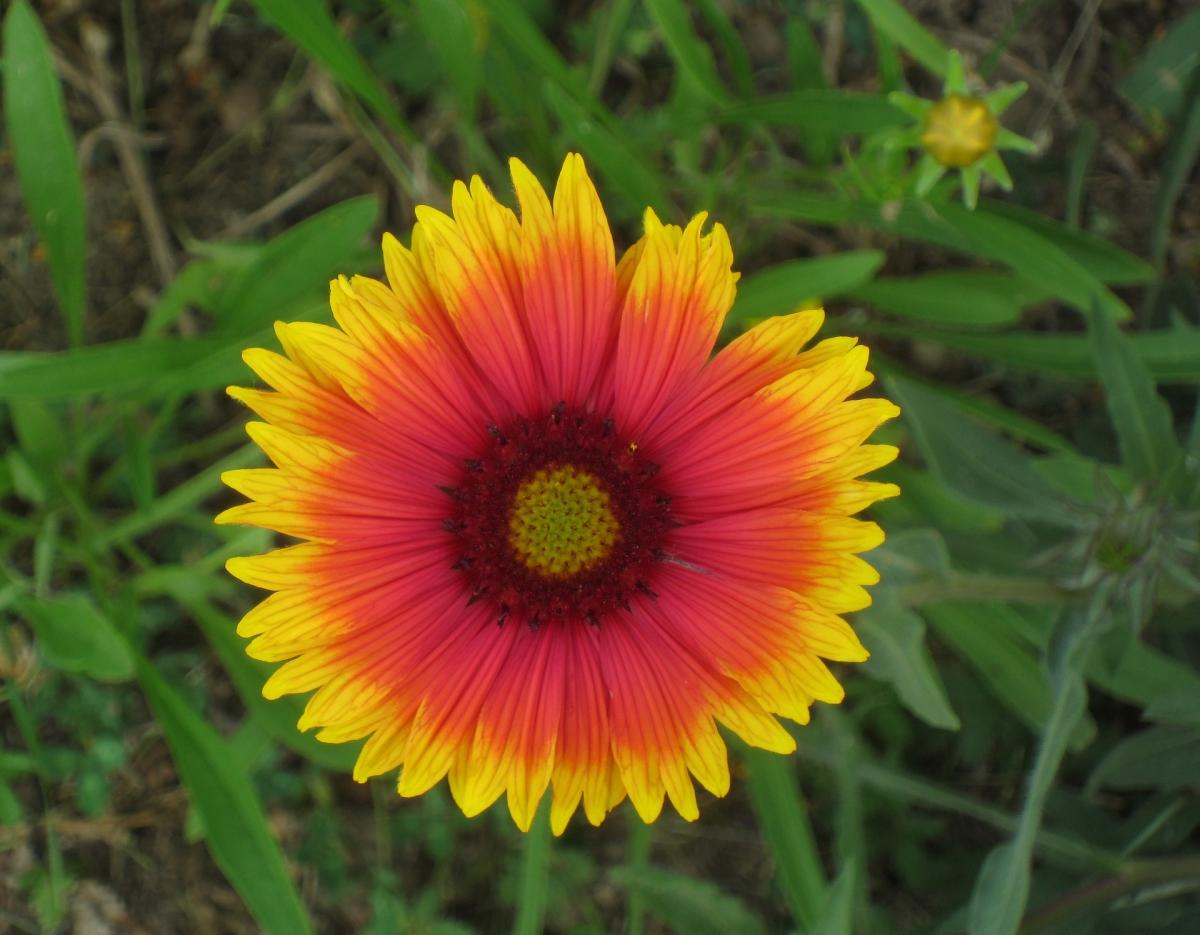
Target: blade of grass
783,821
1002,888
1156,84
447,28
785,286
179,500
116,367
1063,850
1082,149
953,297
1171,354
641,835
533,887
1149,448
615,16
687,905
277,717
611,154
1177,167
825,112
976,462
891,18
295,266
235,826
736,55
691,54
44,155
309,24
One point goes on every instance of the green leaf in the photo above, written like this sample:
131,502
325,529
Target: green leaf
196,284
1157,82
692,55
116,367
1177,168
1170,354
687,905
278,717
1181,706
224,797
447,28
982,633
1001,892
781,288
611,155
837,915
816,111
74,636
534,882
294,266
783,822
1101,258
1009,421
730,40
955,297
309,24
44,155
1002,887
1143,676
896,640
1162,757
803,55
1149,448
984,232
890,18
975,462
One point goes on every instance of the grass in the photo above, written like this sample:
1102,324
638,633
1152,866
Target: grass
1019,754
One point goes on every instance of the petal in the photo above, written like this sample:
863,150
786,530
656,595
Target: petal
472,262
569,279
679,290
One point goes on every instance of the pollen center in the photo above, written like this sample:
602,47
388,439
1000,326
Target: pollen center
562,522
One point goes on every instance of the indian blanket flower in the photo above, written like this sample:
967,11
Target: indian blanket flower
547,541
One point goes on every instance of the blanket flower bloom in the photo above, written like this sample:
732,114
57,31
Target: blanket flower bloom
548,542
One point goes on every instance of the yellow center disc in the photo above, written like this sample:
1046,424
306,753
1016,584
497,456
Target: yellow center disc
562,522
959,130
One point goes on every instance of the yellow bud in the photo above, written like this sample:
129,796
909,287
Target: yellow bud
958,130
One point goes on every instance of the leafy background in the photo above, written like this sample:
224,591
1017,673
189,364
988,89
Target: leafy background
1023,749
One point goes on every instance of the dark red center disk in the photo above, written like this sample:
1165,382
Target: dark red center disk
562,443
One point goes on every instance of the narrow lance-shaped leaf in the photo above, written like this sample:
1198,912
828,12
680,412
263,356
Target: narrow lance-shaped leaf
781,288
236,828
689,905
1002,888
783,821
74,636
974,461
901,27
309,24
693,56
895,637
1149,447
294,266
44,154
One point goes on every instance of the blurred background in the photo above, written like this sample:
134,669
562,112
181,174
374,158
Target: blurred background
1023,749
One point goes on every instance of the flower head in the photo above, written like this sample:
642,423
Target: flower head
958,131
961,131
547,541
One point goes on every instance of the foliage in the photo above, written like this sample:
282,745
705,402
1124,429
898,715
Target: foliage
1020,752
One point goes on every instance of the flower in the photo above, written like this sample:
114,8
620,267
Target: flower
961,131
547,540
